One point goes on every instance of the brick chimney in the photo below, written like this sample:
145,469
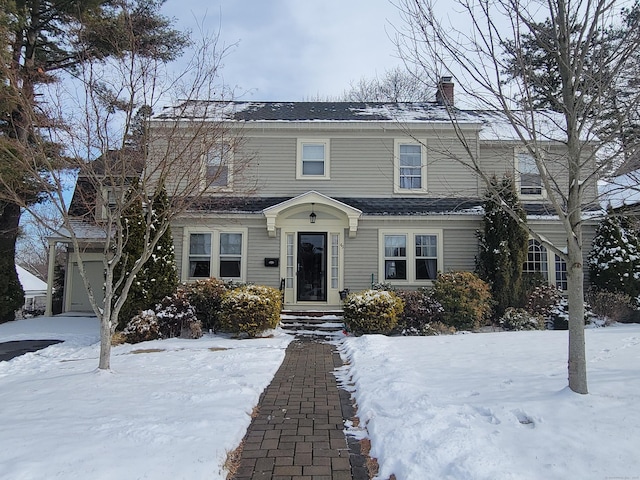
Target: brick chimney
444,94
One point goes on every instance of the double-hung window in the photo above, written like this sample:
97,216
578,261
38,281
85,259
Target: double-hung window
395,257
200,255
410,167
537,263
426,257
413,256
529,175
216,254
217,162
230,255
313,159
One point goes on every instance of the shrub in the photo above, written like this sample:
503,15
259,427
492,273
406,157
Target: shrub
614,306
542,299
177,317
250,309
206,297
465,298
421,313
520,319
372,311
142,327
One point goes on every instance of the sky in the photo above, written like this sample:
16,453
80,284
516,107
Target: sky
293,50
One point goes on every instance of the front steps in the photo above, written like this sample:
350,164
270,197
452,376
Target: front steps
312,323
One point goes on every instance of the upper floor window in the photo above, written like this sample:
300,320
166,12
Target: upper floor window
313,159
410,167
529,175
217,161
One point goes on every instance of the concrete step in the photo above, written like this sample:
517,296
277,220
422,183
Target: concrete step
312,323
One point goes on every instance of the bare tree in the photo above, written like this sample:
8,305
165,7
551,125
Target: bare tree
470,44
96,121
395,85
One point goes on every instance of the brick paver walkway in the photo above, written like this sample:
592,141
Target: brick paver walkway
298,433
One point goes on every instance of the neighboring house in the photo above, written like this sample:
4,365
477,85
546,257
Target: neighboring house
335,196
35,290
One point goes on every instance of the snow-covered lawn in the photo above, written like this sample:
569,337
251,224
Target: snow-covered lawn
478,406
170,414
495,405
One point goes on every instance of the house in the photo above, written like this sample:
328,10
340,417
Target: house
334,196
35,290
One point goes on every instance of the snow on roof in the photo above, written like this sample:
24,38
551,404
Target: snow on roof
30,283
493,125
620,191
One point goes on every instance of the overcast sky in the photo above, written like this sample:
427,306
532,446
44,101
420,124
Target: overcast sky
296,49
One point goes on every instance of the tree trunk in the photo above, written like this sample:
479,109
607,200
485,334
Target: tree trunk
577,357
12,293
105,343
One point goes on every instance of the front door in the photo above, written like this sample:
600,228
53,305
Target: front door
312,267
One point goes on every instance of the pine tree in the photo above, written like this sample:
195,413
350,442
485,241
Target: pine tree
160,274
614,260
503,245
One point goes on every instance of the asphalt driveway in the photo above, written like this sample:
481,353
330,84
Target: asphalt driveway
9,350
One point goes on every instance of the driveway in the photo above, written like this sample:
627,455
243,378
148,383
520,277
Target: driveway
9,350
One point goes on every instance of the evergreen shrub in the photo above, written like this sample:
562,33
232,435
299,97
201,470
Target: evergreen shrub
614,260
177,317
372,311
465,298
142,328
544,300
206,296
422,315
173,317
250,309
520,319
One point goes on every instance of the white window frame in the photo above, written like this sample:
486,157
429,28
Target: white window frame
397,188
531,196
226,160
325,142
410,254
541,251
215,255
556,267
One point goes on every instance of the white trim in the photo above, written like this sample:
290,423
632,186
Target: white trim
516,165
276,218
326,143
410,235
396,165
214,265
207,184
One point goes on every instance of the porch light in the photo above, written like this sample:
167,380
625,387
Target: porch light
312,215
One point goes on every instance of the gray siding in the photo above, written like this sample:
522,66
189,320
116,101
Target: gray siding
261,246
361,259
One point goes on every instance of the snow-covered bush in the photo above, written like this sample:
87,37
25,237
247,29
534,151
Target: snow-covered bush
206,297
520,319
372,311
465,298
614,260
177,317
421,314
614,306
383,286
142,327
250,309
542,299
